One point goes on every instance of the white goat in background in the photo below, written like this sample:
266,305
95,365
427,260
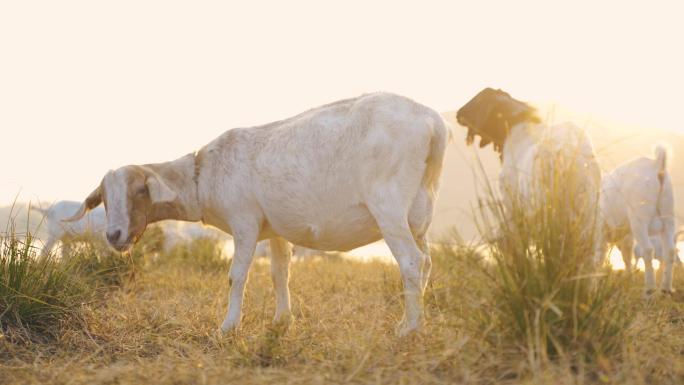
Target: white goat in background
336,177
178,233
91,225
637,208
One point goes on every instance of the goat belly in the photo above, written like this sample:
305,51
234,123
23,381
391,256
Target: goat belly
343,231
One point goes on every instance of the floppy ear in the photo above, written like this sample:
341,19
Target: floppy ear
160,192
477,114
92,201
485,109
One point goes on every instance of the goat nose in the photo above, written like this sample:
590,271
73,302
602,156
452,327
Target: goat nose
112,237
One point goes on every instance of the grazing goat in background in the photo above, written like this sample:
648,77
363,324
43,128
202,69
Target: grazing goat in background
91,225
178,233
637,209
335,177
529,149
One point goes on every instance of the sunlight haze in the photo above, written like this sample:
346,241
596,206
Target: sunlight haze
89,86
341,234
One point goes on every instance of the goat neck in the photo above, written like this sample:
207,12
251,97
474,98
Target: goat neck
182,176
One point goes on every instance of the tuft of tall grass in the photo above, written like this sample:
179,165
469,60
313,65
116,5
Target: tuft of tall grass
550,298
35,292
98,264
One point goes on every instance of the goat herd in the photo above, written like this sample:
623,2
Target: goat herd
349,173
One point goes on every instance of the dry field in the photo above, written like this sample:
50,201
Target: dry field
157,325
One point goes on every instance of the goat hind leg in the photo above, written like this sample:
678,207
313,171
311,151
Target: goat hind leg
281,253
644,250
426,267
394,226
669,255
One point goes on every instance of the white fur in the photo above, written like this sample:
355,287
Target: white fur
638,214
335,177
92,224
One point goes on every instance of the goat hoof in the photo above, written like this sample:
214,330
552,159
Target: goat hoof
283,320
667,292
405,329
227,328
649,292
222,333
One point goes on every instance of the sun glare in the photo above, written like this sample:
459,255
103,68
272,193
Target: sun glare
618,264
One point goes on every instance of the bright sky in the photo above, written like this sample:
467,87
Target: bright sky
86,86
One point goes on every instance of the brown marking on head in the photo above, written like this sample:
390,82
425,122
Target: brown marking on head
491,114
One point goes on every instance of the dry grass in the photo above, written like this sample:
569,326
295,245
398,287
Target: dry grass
160,328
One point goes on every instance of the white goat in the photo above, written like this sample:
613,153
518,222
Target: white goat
637,209
529,148
91,225
333,178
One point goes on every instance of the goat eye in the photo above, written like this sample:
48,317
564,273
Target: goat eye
141,191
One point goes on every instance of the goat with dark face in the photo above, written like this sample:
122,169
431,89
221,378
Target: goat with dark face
491,114
530,150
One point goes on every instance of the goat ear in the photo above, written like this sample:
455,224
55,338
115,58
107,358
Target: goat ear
484,113
160,192
92,201
477,113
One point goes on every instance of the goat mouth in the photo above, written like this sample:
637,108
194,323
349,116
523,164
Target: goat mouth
122,246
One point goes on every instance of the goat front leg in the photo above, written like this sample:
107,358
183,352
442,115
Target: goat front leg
67,248
600,245
245,238
644,250
626,247
47,247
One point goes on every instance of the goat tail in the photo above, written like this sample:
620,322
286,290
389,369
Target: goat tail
441,134
661,155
